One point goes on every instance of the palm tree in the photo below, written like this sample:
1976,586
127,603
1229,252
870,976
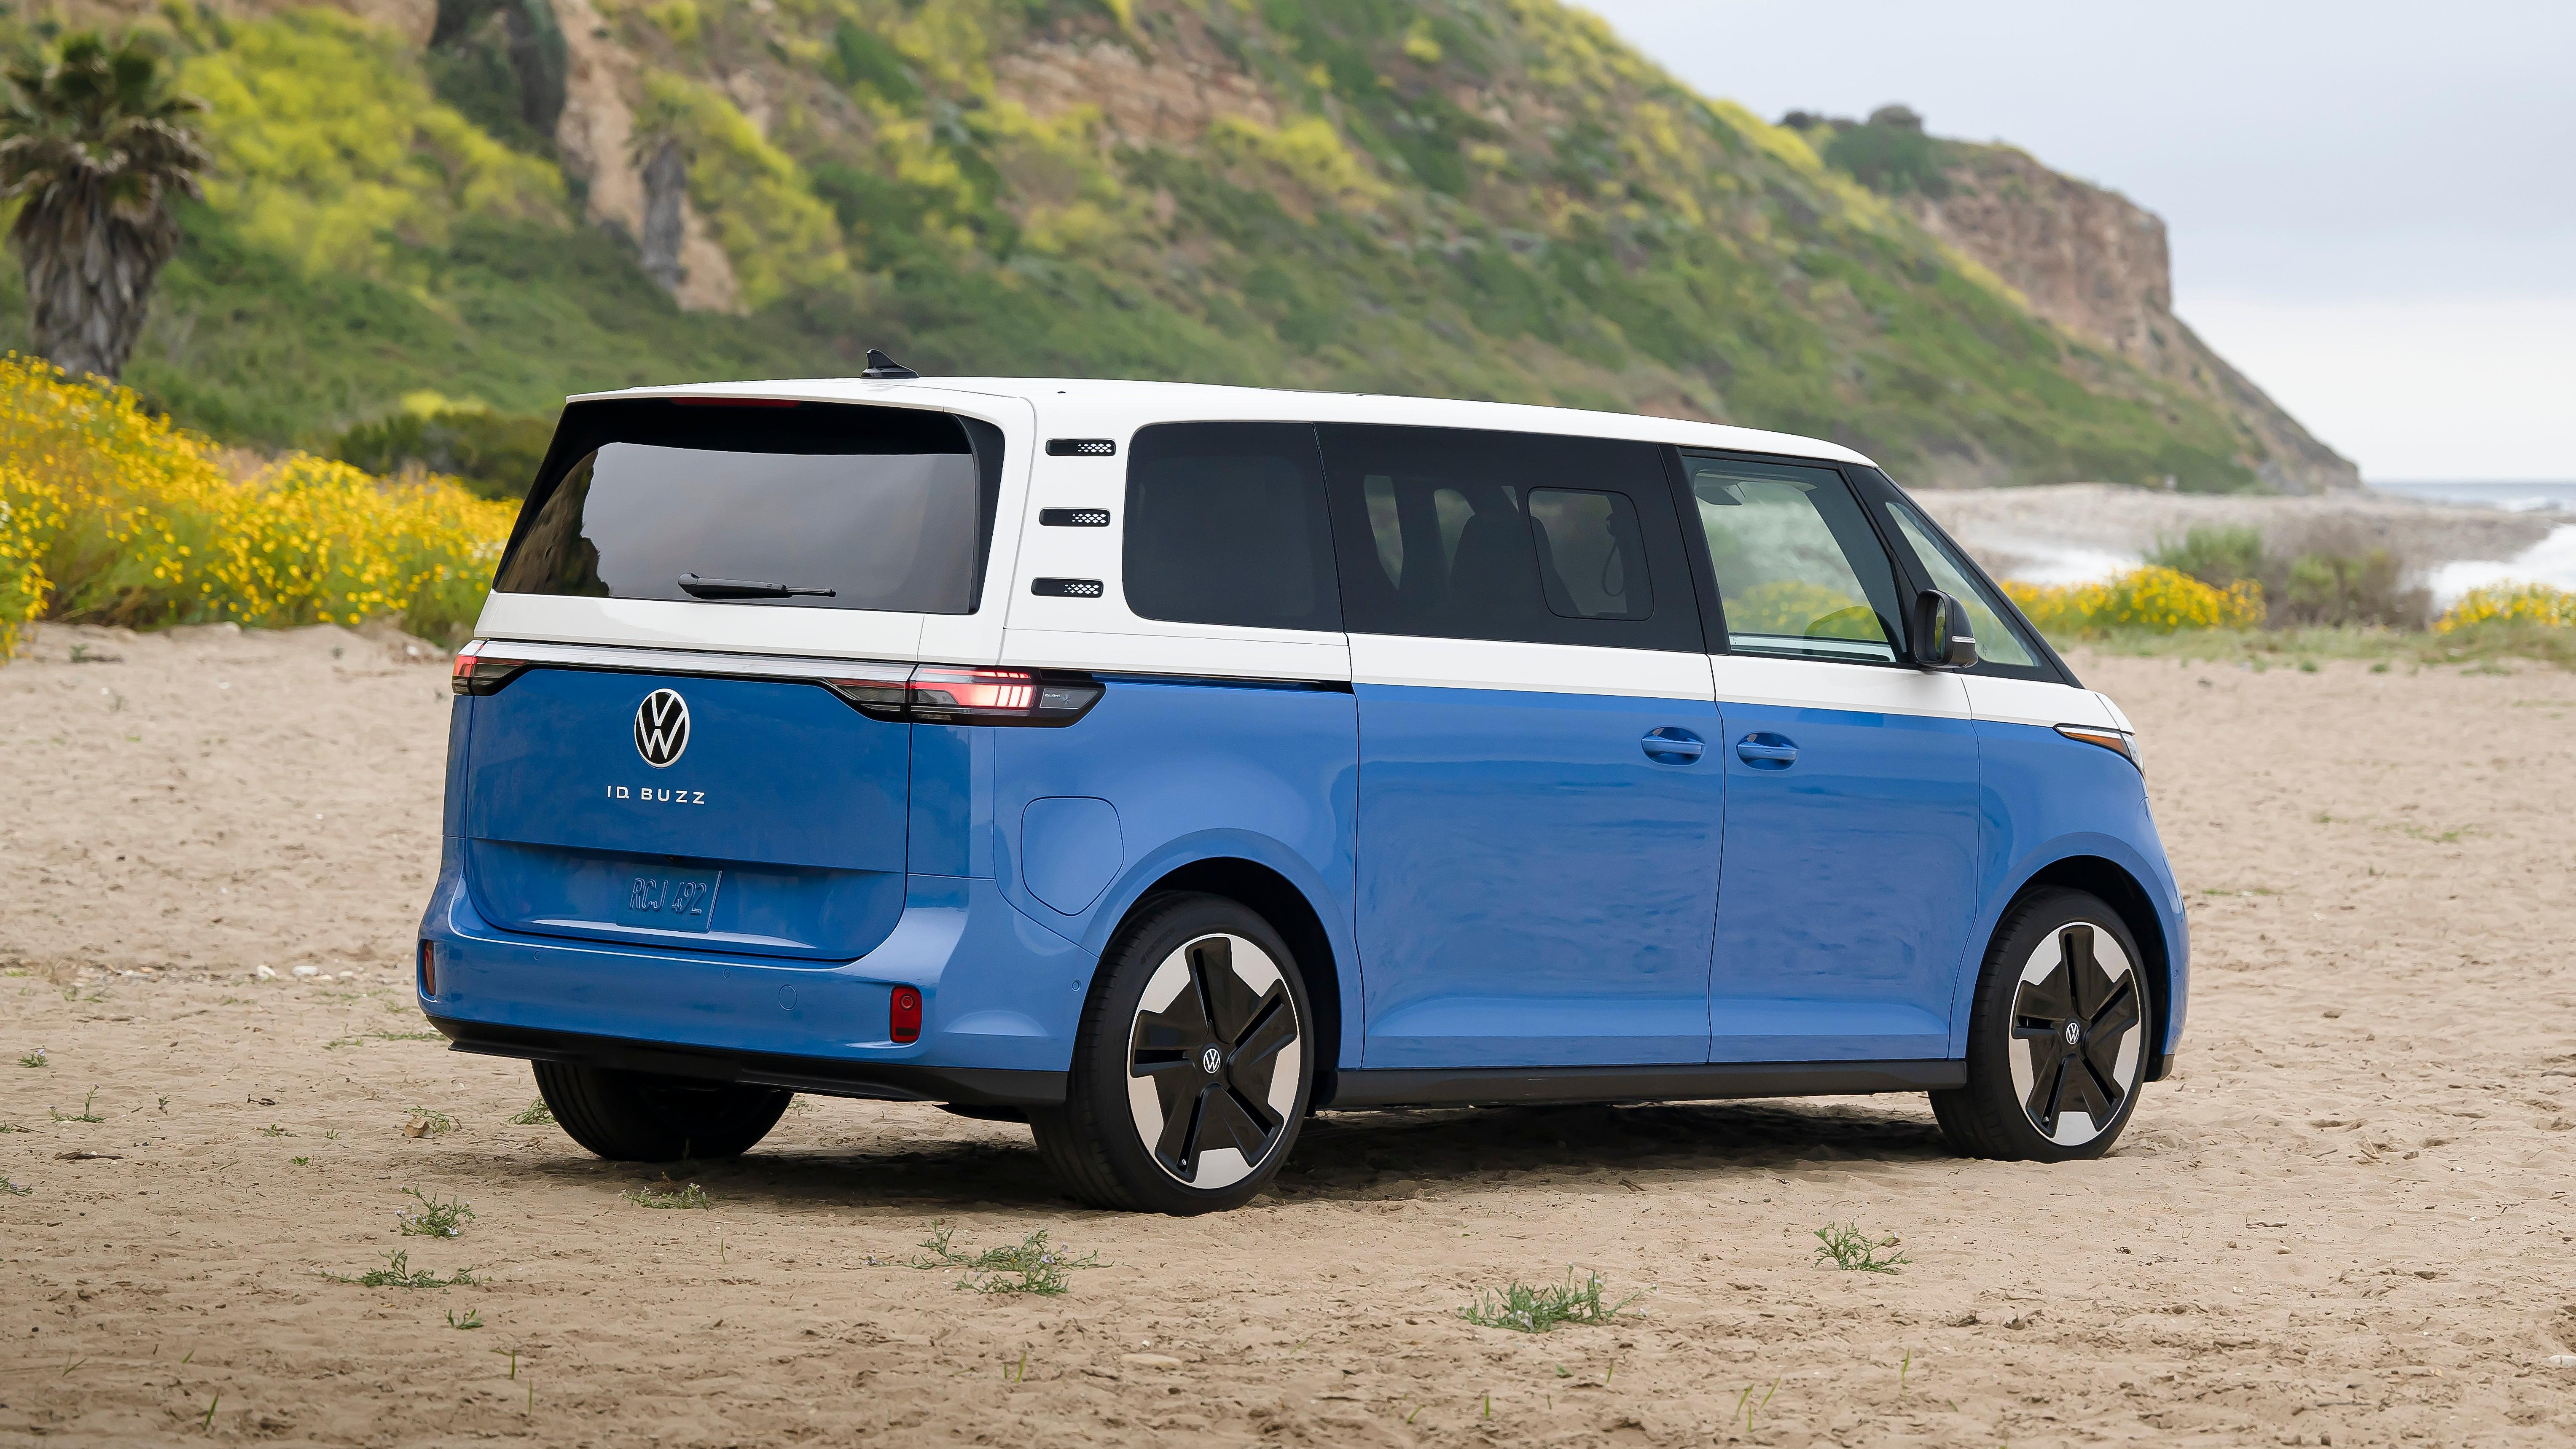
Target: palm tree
94,139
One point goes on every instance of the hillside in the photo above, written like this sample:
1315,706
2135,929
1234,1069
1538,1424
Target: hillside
480,205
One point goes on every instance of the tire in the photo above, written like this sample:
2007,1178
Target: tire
1192,1069
643,1117
2053,1077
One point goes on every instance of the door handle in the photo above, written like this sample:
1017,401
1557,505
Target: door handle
1670,746
1767,751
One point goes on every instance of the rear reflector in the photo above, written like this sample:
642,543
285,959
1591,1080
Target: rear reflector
482,674
429,968
903,1015
950,694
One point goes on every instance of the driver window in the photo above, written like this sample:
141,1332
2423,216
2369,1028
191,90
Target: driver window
1798,568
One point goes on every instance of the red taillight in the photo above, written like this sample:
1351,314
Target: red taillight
429,968
903,1015
937,690
954,694
482,673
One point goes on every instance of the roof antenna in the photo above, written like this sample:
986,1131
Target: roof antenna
883,368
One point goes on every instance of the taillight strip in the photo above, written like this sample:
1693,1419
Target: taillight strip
886,690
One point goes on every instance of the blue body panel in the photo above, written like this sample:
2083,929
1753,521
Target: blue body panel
1197,771
1534,889
1504,878
1194,770
2045,798
1850,874
787,808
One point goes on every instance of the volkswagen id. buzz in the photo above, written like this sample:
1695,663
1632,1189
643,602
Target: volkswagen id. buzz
1161,764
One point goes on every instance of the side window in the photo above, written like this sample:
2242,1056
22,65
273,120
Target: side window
1455,534
1798,568
1997,641
1226,525
1591,559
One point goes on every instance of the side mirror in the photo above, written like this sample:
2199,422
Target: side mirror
1943,636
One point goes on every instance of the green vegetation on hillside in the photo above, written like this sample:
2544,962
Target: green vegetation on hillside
1484,198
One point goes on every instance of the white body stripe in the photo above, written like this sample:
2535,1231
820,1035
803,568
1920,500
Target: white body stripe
1826,684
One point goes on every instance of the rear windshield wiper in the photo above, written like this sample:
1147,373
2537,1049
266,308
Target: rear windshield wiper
698,588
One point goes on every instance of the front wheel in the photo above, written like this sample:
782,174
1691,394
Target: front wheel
2057,1044
1192,1070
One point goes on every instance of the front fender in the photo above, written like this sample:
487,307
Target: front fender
2155,881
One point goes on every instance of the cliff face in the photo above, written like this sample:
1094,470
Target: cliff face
502,201
2095,263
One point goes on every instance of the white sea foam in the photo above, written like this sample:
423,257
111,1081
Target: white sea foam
2551,561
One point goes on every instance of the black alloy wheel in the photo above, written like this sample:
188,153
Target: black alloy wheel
2058,1042
1192,1073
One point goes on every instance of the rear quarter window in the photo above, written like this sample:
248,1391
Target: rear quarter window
1226,525
796,505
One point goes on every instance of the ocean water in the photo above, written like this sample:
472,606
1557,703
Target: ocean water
2551,561
2516,497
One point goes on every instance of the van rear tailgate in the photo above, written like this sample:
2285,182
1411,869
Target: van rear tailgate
755,815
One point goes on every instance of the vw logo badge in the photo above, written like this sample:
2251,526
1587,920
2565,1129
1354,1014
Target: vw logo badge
1208,1059
2074,1029
662,728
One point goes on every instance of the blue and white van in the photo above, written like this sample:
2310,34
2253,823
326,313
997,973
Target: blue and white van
1160,764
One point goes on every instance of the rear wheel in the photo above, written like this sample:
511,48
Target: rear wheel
1192,1070
644,1117
2057,1045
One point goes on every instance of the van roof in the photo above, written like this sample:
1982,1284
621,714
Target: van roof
1139,403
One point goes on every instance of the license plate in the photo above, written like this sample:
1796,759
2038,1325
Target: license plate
669,902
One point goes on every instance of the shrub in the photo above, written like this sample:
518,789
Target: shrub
2365,588
494,454
2216,555
2523,604
2151,600
114,516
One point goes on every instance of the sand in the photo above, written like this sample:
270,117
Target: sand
2060,532
2346,1221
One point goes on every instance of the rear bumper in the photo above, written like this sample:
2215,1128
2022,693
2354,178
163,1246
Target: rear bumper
1001,996
832,1077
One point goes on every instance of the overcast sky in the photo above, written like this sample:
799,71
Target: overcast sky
2372,207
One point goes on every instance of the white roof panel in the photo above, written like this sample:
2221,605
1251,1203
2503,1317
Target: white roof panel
1065,405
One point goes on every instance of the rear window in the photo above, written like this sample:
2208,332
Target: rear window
795,505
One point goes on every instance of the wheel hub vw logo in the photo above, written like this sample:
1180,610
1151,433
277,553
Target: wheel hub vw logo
662,728
1209,1057
2074,1031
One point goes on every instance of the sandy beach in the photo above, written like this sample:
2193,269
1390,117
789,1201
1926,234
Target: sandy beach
2345,1221
2062,532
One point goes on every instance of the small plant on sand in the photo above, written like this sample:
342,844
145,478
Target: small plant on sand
86,1112
273,1130
472,1318
433,1218
1032,1265
399,1273
1524,1308
11,1127
535,1114
691,1196
1846,1247
34,1058
301,1161
13,1189
426,1123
